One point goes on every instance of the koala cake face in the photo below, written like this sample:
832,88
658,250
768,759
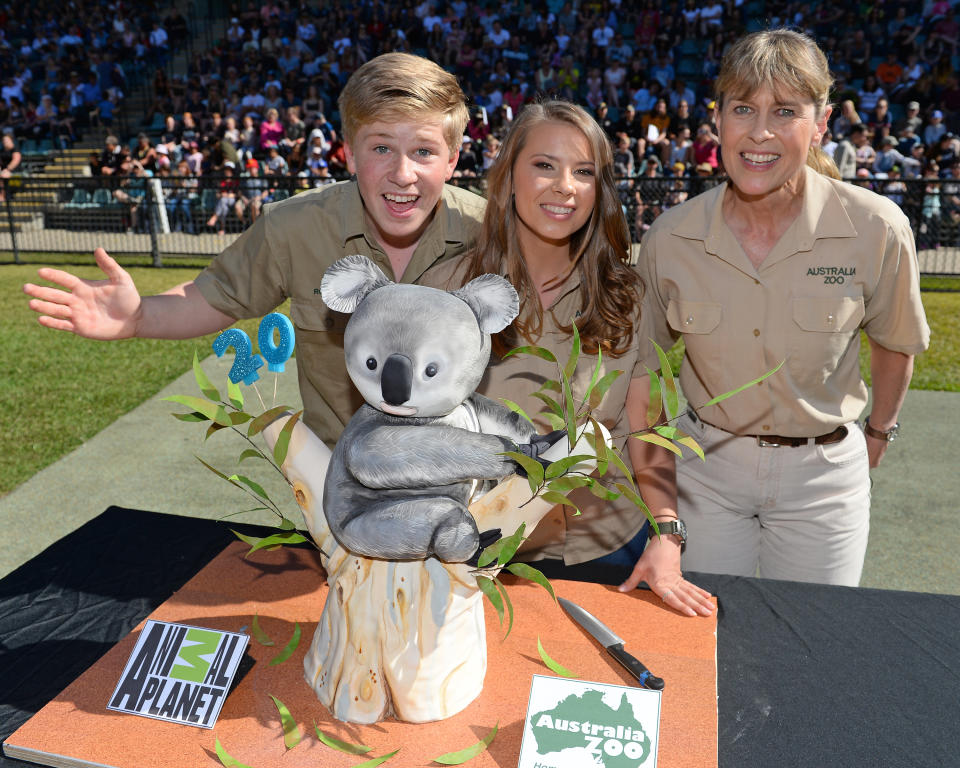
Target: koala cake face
412,350
415,351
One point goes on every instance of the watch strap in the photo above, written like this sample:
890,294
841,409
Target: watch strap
880,434
674,527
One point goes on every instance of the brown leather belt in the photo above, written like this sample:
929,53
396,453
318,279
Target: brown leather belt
777,441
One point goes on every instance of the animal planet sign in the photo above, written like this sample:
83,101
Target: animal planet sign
572,724
179,673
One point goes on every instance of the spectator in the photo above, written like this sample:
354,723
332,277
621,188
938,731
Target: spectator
253,192
180,195
889,156
934,129
271,131
226,199
910,119
10,159
704,148
112,157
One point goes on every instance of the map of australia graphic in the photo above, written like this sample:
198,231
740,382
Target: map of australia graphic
614,737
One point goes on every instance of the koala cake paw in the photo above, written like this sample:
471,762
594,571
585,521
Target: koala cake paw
538,445
486,539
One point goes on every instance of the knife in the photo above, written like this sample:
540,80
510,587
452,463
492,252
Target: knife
614,645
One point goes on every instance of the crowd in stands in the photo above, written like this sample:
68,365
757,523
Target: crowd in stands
265,96
65,67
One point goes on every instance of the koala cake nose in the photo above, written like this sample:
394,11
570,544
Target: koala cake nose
396,379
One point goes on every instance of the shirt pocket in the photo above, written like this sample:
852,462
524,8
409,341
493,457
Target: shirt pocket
823,329
317,317
699,322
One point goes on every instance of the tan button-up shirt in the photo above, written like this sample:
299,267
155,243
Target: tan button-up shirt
285,253
847,262
603,527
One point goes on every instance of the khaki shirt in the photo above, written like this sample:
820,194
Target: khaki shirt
847,262
603,527
285,253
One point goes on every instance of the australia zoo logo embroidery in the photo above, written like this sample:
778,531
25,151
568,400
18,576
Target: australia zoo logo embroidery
832,275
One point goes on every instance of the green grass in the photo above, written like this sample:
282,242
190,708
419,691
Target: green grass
58,390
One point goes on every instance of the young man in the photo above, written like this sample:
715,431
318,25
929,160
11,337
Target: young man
403,121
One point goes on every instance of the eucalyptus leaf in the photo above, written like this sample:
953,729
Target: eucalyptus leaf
251,540
234,394
599,490
600,448
203,381
532,467
461,756
571,366
225,758
569,411
600,390
489,589
195,416
732,392
550,385
214,427
540,352
554,667
289,648
291,731
692,444
259,635
259,424
213,411
655,403
251,484
510,545
217,472
635,497
276,540
555,421
283,439
667,431
594,377
528,572
376,761
239,417
617,460
556,497
671,398
516,409
560,466
251,453
340,746
553,406
568,483
658,440
508,603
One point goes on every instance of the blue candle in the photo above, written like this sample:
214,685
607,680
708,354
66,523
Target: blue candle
276,354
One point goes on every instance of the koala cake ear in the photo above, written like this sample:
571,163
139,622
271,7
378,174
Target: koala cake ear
348,280
493,300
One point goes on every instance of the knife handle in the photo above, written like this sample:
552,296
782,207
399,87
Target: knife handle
636,668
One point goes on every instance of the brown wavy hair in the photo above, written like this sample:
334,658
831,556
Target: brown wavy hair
600,249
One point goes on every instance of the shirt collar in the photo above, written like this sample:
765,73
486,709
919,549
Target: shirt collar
822,216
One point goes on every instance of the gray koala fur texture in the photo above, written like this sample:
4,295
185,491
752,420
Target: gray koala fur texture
424,444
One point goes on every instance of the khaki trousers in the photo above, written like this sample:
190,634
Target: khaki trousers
801,514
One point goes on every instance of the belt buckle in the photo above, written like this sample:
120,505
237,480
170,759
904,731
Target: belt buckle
767,444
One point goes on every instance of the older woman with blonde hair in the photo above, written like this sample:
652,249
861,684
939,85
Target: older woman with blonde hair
555,228
783,264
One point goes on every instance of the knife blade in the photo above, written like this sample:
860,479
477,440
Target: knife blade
613,644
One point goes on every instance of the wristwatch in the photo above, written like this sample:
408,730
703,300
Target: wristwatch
674,528
881,434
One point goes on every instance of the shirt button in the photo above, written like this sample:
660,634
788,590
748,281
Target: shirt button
830,319
689,319
766,427
756,331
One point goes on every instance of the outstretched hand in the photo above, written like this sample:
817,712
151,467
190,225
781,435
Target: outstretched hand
659,566
94,309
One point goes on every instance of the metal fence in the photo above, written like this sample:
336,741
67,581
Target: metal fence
169,217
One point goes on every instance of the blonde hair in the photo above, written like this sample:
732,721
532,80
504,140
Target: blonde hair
599,251
784,61
400,86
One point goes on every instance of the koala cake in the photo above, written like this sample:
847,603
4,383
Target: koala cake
410,460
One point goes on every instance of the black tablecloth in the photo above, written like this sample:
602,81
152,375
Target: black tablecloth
808,675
